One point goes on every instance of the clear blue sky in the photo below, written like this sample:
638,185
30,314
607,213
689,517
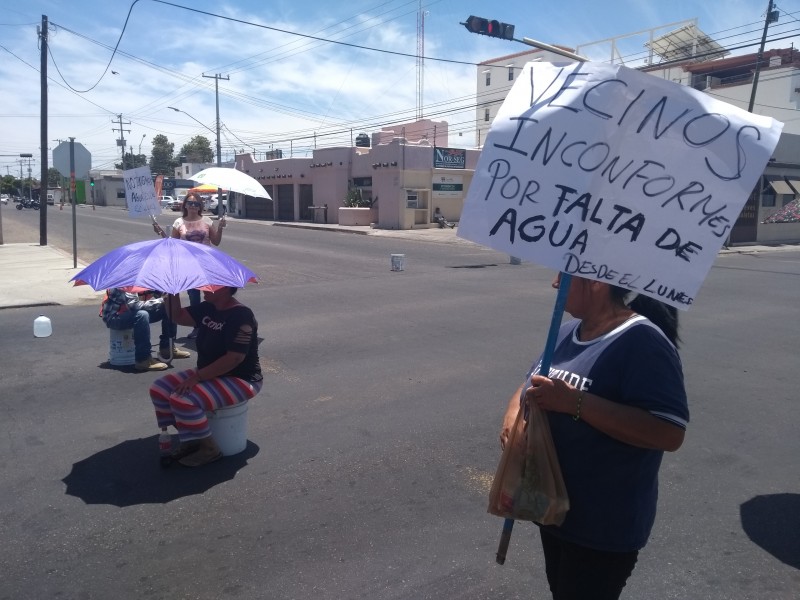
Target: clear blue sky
284,88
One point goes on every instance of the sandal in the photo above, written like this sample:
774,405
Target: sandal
206,452
185,450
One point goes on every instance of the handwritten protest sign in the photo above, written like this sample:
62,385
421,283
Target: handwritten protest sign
604,172
141,193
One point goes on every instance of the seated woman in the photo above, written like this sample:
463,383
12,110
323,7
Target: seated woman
438,217
228,372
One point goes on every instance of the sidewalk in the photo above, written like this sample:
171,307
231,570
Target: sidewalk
35,275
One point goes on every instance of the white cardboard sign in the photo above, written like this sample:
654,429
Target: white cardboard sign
141,193
611,174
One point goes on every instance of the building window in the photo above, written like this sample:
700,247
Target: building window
488,78
486,114
511,73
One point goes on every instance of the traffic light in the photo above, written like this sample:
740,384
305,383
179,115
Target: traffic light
91,181
491,28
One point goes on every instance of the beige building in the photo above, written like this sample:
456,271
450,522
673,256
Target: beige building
404,176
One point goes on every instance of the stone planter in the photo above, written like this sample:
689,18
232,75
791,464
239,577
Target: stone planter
357,215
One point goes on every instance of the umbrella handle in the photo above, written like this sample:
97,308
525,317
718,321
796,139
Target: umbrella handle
157,227
505,538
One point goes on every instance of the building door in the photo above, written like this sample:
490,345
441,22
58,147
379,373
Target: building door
285,202
306,202
746,226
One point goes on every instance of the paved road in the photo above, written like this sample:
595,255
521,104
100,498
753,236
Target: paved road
374,441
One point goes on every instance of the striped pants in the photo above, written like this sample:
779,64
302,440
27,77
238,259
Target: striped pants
188,413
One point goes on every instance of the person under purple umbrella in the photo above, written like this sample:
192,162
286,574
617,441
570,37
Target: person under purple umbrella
124,310
228,372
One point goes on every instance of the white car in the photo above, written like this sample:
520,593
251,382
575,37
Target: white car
4,199
166,201
213,204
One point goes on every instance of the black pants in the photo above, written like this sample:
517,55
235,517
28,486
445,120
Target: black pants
578,573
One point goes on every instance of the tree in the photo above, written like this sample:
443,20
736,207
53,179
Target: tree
162,161
53,177
133,161
197,150
9,184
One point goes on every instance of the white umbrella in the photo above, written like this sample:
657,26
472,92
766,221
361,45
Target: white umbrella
231,180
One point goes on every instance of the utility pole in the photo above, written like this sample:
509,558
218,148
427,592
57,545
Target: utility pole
216,77
43,126
772,16
121,139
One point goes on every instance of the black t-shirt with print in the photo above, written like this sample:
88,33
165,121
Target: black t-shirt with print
220,331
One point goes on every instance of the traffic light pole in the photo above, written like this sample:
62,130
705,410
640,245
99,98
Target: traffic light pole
554,49
505,31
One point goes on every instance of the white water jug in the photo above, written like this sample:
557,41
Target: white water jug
42,327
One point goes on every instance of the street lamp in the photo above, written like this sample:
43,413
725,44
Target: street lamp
219,157
144,135
204,125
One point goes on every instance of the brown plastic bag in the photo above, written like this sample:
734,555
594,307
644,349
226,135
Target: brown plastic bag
528,484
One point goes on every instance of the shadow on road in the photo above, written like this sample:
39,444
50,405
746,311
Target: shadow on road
129,474
772,522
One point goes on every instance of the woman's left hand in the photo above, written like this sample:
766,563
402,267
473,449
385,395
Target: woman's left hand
186,385
551,394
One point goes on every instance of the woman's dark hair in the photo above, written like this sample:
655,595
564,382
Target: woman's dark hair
196,198
662,315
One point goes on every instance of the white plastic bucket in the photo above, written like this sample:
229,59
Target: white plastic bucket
398,262
229,428
121,350
42,327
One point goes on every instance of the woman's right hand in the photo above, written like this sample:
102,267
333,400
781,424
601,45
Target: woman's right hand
505,432
510,418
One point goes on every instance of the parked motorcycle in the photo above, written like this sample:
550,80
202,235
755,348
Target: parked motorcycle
28,203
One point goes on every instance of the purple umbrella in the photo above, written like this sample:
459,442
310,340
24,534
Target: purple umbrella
167,265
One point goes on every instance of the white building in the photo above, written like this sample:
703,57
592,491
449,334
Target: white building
494,80
691,58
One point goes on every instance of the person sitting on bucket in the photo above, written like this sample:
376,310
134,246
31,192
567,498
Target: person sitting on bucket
438,217
228,372
123,310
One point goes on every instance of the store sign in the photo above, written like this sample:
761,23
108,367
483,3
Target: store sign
449,158
447,186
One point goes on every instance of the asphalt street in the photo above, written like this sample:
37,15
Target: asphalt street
374,440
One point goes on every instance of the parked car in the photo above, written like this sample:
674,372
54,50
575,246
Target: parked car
51,199
3,198
166,201
213,204
176,205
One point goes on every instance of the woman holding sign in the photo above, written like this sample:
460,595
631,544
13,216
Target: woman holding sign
615,401
195,227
